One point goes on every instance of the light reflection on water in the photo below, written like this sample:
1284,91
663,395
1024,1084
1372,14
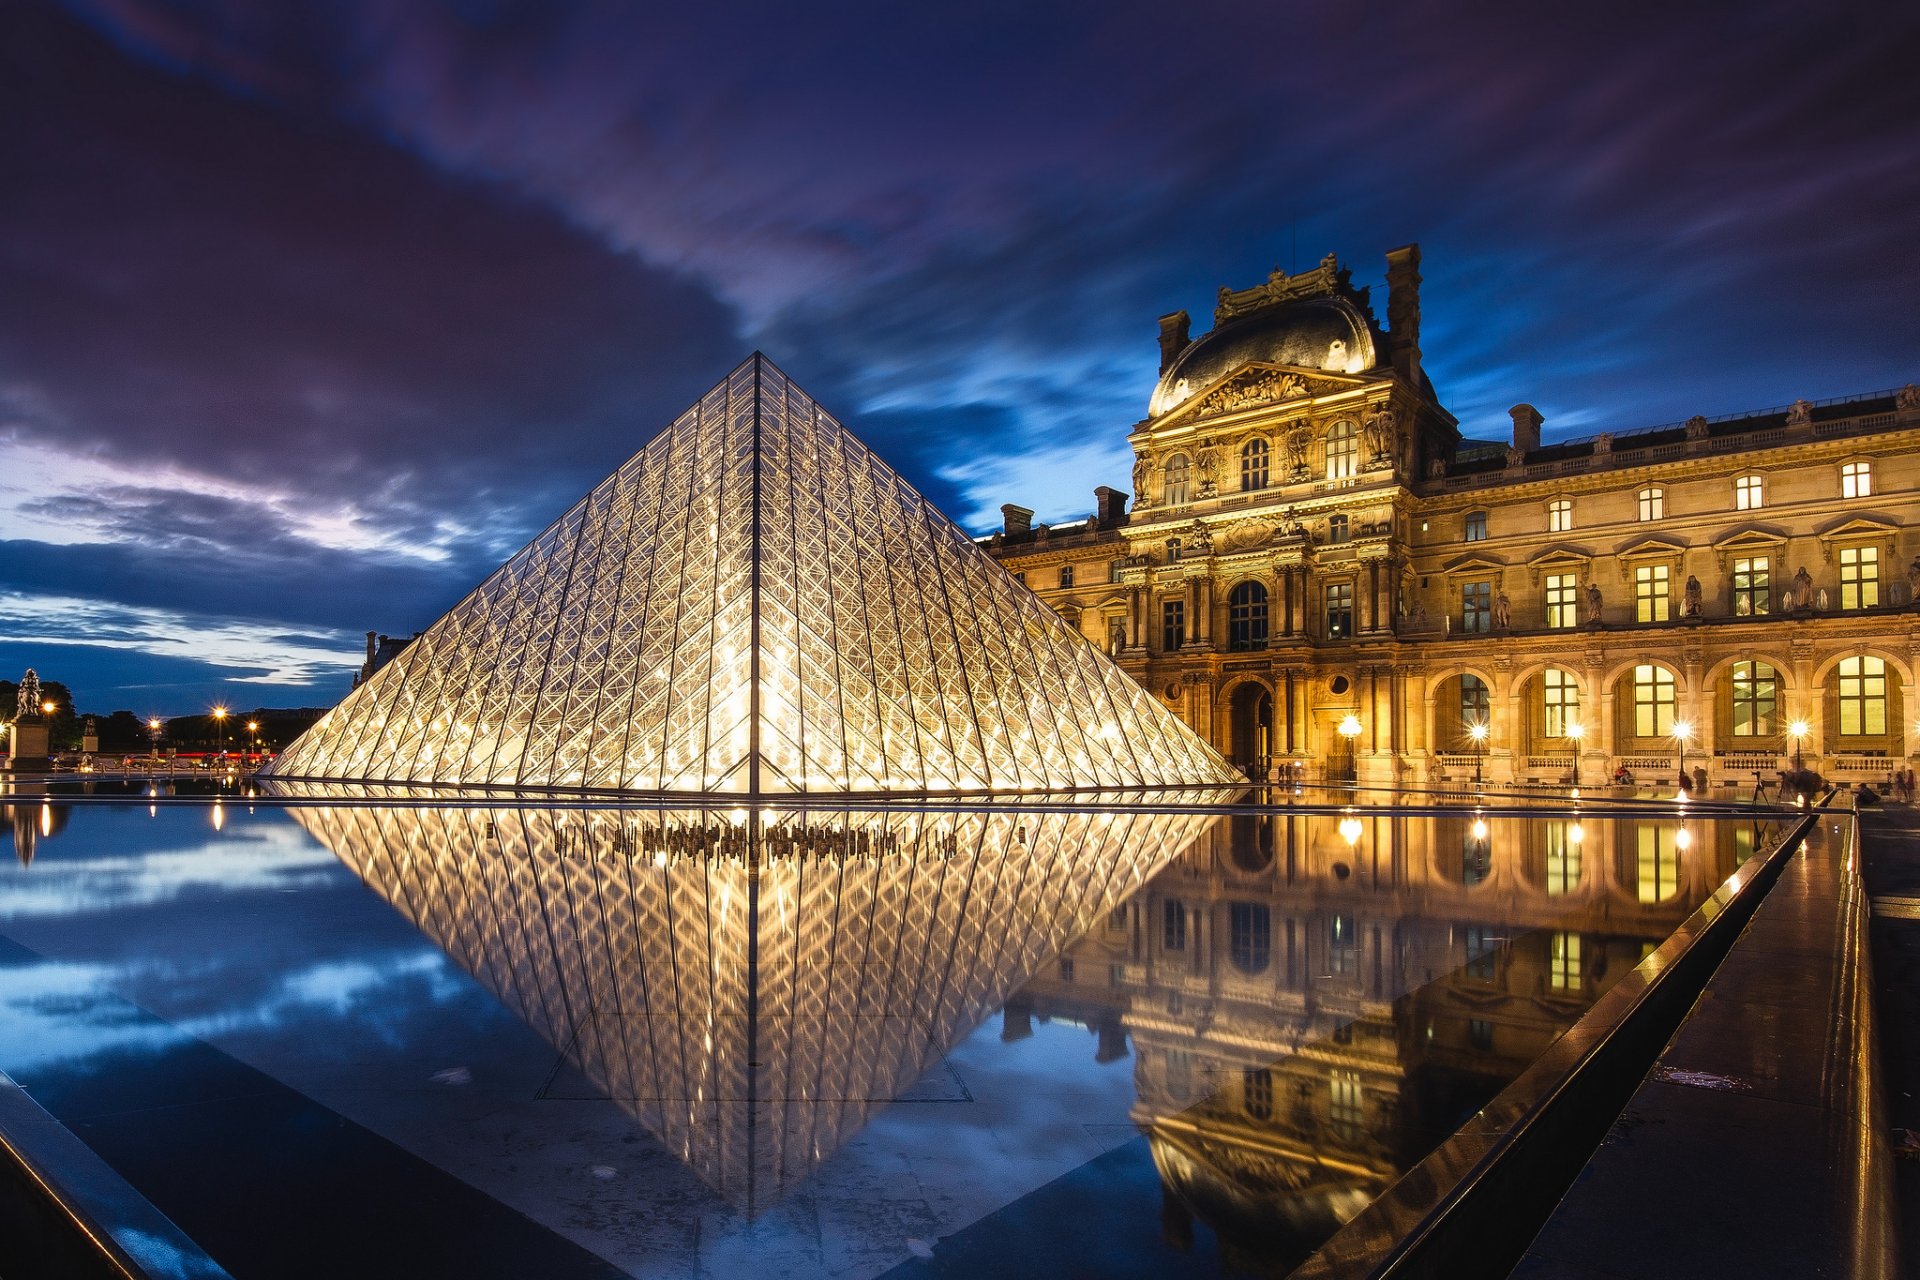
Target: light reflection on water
1301,1004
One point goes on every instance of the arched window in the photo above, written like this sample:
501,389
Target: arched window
1254,470
1343,451
1863,696
1476,700
1249,936
1560,696
1247,617
1173,483
1653,701
1756,692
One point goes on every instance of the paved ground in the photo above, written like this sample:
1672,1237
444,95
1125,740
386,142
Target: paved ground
1892,869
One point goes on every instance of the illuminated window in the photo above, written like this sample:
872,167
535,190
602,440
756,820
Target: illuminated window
1561,593
1563,859
1247,617
1653,701
1863,696
1173,484
1476,607
1249,936
1560,515
1856,480
1344,1104
1651,600
1256,1091
1343,451
1656,864
1563,962
1173,925
1751,591
1560,694
1113,570
1475,702
1066,575
1749,493
1339,602
1476,526
1653,504
1859,577
1755,695
1254,464
1343,945
1173,624
1338,529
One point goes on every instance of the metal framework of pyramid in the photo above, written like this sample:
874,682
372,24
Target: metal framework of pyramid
754,604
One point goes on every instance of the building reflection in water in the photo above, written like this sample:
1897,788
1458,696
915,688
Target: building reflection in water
1316,1002
752,986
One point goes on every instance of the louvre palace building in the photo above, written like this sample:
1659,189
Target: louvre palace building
1325,580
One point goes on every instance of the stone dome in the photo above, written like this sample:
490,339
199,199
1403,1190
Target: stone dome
1328,333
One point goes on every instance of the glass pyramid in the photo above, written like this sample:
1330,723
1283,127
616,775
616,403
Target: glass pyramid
752,986
754,604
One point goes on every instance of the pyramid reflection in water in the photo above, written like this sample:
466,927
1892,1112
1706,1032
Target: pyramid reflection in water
751,987
754,603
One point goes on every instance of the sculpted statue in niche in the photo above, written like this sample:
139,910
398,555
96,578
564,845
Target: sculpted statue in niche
1800,415
1116,635
1142,471
1800,591
1376,429
1299,438
1913,581
1690,601
1696,427
1436,468
1593,602
1207,463
1199,540
1502,610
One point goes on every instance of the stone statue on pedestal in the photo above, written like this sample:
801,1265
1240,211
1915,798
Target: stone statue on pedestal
29,700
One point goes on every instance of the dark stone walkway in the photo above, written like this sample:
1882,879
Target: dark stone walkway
1891,866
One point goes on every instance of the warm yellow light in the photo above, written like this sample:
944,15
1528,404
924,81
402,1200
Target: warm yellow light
46,708
219,713
154,724
1798,729
1350,727
1477,731
1683,839
1350,830
1576,833
1683,731
1576,731
252,725
1479,828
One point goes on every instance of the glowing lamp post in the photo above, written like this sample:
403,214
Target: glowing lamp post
1682,734
220,719
1478,732
253,737
1350,730
153,732
1350,830
1798,731
1576,731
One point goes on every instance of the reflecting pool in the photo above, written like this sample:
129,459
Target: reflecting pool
477,1038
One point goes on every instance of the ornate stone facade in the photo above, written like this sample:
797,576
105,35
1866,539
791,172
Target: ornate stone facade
1343,556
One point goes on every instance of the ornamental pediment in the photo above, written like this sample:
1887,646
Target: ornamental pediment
1652,546
1474,564
1256,386
1563,553
1857,526
1755,537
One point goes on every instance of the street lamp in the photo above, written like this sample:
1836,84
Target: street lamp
1682,734
153,732
1576,731
253,737
1478,732
1350,730
220,719
1798,731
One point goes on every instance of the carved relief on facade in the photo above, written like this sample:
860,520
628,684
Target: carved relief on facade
1380,432
1298,440
1696,427
1207,466
1250,391
1800,415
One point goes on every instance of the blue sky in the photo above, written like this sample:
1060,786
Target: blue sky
310,315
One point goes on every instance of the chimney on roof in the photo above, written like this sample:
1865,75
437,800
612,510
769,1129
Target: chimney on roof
1403,313
1015,521
372,645
1526,427
1110,507
1175,337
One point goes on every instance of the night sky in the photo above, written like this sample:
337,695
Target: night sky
311,313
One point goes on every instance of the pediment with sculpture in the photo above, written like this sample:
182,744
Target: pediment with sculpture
1257,386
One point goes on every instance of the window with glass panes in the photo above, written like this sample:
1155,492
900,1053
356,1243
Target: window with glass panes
1563,962
1344,1106
1856,480
1653,701
1562,591
1249,936
1651,599
1173,483
1752,593
1254,464
1343,944
1476,607
1749,493
1656,863
1482,952
1863,696
1476,701
1755,695
1653,504
1560,515
1563,858
1339,529
1173,624
1343,451
1256,1090
1066,575
1476,526
1339,603
1859,577
1247,617
1173,925
1560,694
